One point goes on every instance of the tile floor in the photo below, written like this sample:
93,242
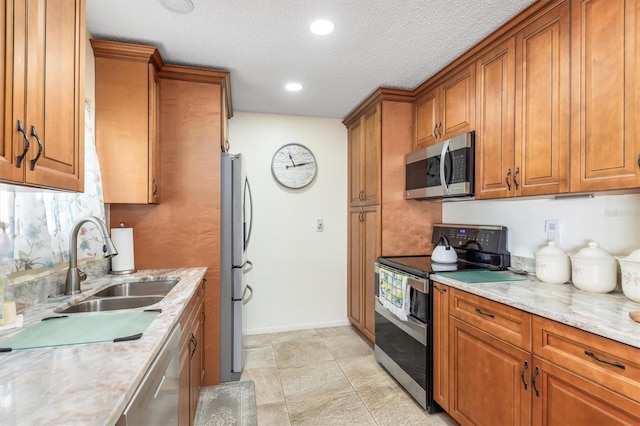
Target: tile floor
327,376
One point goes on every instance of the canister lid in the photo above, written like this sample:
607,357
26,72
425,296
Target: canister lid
551,249
593,251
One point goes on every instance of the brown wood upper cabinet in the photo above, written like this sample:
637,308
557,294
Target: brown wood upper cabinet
127,121
43,46
446,110
522,141
364,158
605,139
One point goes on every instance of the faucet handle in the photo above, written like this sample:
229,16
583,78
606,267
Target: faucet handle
82,275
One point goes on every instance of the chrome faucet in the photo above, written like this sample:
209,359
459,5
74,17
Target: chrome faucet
74,275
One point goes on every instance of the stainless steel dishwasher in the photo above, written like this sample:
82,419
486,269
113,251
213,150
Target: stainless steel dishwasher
155,401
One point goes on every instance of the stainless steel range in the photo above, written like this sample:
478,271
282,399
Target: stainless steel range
404,319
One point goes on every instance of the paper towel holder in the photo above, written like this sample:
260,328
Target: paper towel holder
127,271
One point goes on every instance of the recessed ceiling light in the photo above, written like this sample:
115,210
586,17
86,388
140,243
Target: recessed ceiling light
321,27
293,87
178,6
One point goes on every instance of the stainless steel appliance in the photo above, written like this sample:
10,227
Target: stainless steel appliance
443,170
236,220
404,342
155,401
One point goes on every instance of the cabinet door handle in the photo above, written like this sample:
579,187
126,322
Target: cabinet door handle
441,290
204,317
515,178
435,135
486,314
35,135
507,180
195,344
524,369
20,157
440,129
604,361
533,381
155,188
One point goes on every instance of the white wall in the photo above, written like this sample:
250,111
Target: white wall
611,220
299,275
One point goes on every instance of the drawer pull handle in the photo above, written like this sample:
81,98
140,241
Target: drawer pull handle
524,369
604,361
533,381
441,290
486,314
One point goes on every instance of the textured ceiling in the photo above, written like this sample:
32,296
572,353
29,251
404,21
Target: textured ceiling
266,43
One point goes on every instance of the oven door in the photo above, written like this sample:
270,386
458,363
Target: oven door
401,347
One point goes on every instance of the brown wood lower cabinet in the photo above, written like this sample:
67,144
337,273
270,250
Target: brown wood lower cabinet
485,379
441,344
191,368
565,398
364,249
508,367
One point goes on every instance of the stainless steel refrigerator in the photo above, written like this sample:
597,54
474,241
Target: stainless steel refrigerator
236,218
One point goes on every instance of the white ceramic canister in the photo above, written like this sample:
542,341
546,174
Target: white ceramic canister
552,264
630,269
594,269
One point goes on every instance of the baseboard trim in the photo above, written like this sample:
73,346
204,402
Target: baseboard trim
294,327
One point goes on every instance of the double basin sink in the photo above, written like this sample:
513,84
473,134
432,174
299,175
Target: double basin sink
127,295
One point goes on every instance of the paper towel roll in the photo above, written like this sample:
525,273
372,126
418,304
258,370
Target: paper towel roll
123,262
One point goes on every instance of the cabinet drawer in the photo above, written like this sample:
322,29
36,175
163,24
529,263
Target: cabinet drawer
611,364
509,324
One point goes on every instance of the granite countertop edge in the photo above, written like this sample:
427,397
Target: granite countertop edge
87,383
606,315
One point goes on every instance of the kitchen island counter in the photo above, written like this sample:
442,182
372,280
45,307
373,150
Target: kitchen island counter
606,315
88,383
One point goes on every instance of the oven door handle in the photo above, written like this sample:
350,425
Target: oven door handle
443,178
412,327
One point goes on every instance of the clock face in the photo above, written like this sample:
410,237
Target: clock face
294,166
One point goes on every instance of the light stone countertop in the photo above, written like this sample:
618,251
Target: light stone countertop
606,315
88,384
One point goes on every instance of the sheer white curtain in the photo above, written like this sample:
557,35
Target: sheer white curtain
35,225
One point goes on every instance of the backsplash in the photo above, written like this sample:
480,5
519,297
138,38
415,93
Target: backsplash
611,220
30,289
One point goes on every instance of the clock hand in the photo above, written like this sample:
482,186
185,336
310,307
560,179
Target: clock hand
291,158
304,164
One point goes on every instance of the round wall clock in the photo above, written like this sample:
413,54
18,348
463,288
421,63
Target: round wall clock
294,166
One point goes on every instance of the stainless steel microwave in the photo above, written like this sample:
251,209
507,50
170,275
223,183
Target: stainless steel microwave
443,170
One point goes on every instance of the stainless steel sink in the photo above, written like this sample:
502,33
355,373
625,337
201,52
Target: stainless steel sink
111,304
138,288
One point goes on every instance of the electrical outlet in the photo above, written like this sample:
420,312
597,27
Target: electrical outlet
552,228
319,225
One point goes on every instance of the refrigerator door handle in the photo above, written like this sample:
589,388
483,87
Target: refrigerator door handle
247,190
245,301
248,266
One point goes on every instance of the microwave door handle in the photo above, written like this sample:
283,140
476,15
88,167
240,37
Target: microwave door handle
443,154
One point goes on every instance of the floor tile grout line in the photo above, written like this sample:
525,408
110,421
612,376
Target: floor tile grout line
358,394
